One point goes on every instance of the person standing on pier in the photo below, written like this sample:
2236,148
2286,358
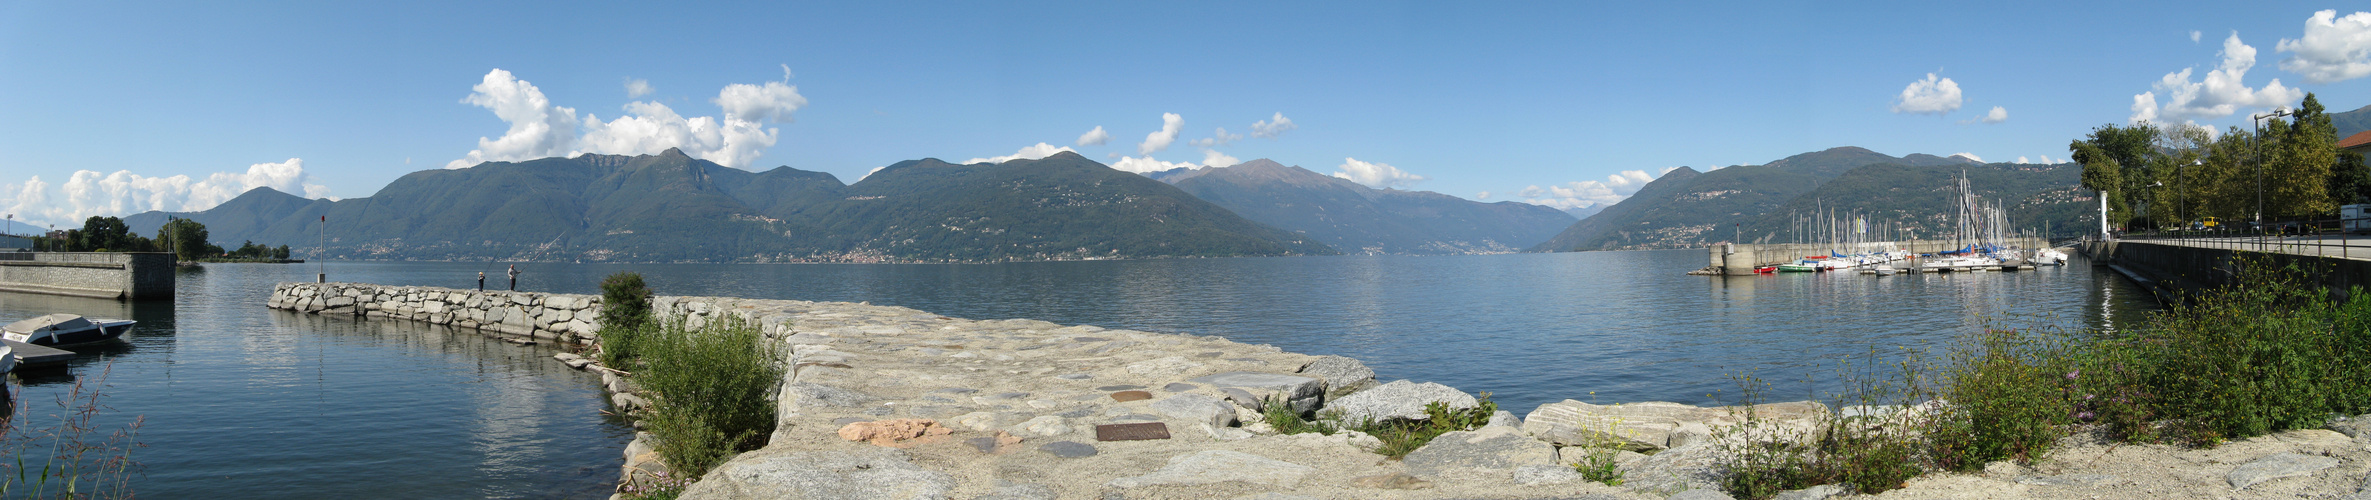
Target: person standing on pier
514,277
481,281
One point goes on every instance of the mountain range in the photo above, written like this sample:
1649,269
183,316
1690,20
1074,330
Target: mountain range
670,207
1358,219
1684,207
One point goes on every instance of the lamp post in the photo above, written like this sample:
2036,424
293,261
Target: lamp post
2258,121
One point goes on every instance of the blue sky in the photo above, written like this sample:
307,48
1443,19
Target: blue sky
338,100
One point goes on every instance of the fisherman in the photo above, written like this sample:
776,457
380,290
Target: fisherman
481,281
514,277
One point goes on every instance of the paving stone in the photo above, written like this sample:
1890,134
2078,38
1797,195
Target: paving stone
868,473
1197,408
2276,466
1068,449
1218,466
1126,396
1119,388
1180,387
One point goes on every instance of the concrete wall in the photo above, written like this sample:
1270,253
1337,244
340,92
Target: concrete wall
1742,259
2193,269
110,275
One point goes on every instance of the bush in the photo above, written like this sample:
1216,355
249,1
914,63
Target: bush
1401,437
710,390
625,315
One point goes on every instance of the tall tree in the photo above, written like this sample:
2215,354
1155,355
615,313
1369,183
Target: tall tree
103,234
2116,162
2296,182
185,238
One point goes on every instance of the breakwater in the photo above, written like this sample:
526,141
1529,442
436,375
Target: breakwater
1741,259
104,275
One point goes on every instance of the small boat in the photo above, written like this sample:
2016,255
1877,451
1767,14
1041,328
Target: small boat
7,358
1798,267
2049,257
1766,269
1886,270
65,329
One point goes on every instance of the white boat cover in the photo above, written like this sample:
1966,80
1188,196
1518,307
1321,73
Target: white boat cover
57,322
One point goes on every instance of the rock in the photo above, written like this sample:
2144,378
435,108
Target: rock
875,473
2276,466
1505,419
1491,451
1701,494
1688,467
1658,425
1044,426
1008,490
993,444
1535,475
899,432
1242,398
1197,408
628,402
1399,400
1821,492
1303,393
1218,466
2066,480
981,421
1341,375
1226,433
1179,387
1393,481
1068,449
2353,427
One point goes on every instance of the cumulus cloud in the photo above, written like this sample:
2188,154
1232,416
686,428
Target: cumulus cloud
1213,158
88,193
1997,115
1220,138
1971,156
2220,93
1482,195
2021,160
1147,165
2144,108
637,87
1041,150
2194,36
540,129
1154,142
2334,48
1579,194
1094,137
2048,160
1272,127
1930,96
1375,175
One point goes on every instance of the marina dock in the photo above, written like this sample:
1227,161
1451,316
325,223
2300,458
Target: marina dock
34,356
1741,259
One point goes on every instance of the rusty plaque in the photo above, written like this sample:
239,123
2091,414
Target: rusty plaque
1126,396
1132,432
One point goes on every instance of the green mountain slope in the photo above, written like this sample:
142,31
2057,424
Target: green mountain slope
670,207
1918,202
1707,206
1359,219
2352,122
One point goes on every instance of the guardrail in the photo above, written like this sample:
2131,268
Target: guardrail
2322,238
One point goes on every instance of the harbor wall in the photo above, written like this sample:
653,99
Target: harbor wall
2174,270
106,275
1741,259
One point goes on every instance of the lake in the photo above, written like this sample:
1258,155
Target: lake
241,401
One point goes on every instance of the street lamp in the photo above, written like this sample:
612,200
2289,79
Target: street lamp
2258,120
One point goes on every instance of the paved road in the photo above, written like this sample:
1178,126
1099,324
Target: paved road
2342,246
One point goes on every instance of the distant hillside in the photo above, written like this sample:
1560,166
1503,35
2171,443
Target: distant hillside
1583,212
1357,219
1690,213
2352,122
1918,202
670,207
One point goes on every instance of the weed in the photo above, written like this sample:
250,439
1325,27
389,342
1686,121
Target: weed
1281,417
72,466
710,390
1401,437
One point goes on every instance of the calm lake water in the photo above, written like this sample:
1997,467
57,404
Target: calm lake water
241,401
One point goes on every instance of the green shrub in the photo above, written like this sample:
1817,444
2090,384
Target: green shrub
2009,398
710,390
1281,417
1401,437
625,315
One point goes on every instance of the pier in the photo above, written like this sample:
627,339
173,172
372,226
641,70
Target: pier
1740,259
34,356
102,275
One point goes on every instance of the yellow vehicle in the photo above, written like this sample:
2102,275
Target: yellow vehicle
2208,224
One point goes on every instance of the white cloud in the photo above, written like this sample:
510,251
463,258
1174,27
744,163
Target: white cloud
2144,108
2046,159
2021,160
88,193
2194,35
869,173
1482,195
1154,142
1930,96
1094,137
1213,158
2220,93
1997,115
1041,150
1272,127
1220,138
637,87
1147,165
537,128
1613,189
2334,48
540,129
1375,175
1971,156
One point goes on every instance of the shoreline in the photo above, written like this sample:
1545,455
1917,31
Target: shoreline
1017,403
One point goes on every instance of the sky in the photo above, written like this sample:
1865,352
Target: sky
115,108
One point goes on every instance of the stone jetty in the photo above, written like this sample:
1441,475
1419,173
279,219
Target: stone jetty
891,402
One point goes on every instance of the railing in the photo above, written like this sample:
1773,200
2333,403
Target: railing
2323,238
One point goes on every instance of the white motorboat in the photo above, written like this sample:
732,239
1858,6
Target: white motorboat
7,358
65,329
2049,257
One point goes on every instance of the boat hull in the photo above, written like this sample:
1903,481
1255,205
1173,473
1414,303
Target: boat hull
100,331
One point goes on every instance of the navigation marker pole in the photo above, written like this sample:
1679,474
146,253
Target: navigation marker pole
320,245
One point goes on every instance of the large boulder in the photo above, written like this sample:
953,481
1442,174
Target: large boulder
1303,394
1341,375
1658,425
872,473
1198,409
1491,452
1399,400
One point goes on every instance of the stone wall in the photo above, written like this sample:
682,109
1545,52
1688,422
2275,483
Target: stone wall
549,316
109,275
